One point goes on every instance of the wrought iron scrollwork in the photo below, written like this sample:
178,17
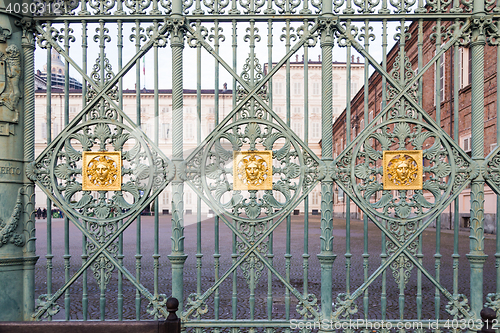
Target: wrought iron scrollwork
210,170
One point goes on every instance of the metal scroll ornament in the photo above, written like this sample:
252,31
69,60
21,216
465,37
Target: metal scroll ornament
403,170
102,171
253,170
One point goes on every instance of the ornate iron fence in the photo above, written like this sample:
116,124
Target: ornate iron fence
402,169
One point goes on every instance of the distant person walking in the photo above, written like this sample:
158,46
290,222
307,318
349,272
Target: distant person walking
38,213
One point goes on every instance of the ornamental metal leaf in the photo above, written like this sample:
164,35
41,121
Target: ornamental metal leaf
209,169
157,307
445,169
52,307
143,170
493,302
307,305
8,228
196,302
457,306
58,171
344,306
252,74
252,266
102,67
493,170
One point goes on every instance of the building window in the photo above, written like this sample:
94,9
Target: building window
297,129
146,128
297,88
340,194
189,198
493,146
165,198
165,110
335,112
441,64
315,198
297,110
335,88
211,127
211,110
466,143
188,135
465,67
354,88
165,131
370,117
316,88
44,130
72,109
188,110
316,110
316,130
278,88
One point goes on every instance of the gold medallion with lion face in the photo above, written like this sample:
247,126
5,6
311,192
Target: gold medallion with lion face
253,170
102,171
403,169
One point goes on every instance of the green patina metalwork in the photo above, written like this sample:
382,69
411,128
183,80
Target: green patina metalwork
254,215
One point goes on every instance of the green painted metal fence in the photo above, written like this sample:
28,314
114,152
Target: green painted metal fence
232,35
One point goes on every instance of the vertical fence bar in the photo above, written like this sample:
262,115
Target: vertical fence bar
102,55
347,199
177,256
366,95
326,256
383,254
234,254
252,80
305,9
216,218
348,9
456,104
402,44
420,44
305,255
288,255
49,255
420,256
437,255
138,255
270,240
28,48
199,254
85,256
120,255
476,256
156,254
66,256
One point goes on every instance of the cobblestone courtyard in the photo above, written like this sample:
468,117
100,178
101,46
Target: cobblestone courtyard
261,292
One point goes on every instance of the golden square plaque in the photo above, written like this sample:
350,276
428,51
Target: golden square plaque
102,171
403,169
253,170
